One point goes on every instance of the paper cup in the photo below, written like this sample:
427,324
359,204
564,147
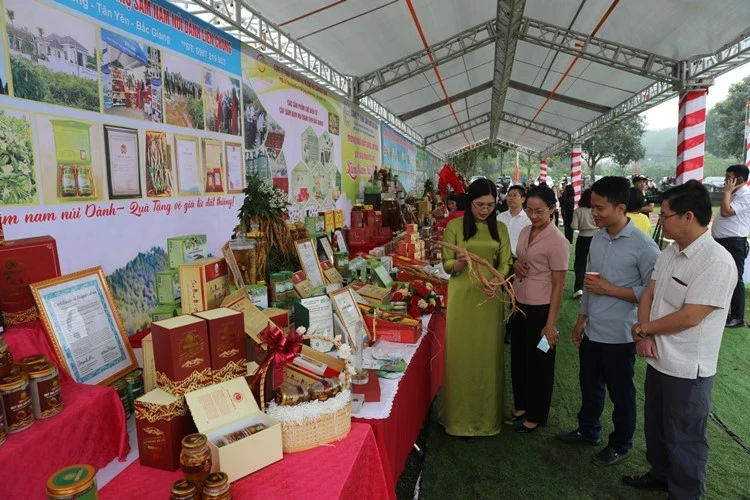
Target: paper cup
593,275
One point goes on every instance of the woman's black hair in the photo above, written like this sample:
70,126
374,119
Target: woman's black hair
585,200
462,202
479,188
635,201
544,193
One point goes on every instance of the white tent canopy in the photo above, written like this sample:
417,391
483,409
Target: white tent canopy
531,74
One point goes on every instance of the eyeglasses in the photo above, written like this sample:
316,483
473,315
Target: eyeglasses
662,216
483,206
538,212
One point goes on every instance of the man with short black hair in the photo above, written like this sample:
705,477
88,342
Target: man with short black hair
622,256
639,182
515,217
680,324
730,229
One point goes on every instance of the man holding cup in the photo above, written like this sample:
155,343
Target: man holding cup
621,259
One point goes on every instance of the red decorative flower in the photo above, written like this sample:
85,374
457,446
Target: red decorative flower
421,290
414,300
414,311
397,297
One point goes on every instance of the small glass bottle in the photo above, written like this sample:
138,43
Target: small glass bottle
195,458
184,490
217,487
77,482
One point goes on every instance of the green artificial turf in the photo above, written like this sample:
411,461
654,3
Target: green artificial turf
537,466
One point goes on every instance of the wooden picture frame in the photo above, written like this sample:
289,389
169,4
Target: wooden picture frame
307,253
187,153
123,161
234,185
324,243
345,306
83,326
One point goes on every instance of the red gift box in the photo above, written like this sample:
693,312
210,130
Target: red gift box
356,219
23,262
357,236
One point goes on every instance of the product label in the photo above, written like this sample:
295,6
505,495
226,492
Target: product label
18,410
50,398
191,349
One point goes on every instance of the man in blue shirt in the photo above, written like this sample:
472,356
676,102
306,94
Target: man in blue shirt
624,257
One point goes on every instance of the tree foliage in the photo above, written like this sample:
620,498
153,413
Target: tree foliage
620,141
476,161
725,123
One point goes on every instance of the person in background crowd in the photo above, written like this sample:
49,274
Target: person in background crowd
567,204
460,202
540,275
473,402
557,205
451,203
635,203
639,182
584,223
624,258
515,218
680,324
730,229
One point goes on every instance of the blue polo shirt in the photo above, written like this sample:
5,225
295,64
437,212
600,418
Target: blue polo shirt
625,260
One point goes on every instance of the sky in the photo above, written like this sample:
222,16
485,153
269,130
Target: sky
665,115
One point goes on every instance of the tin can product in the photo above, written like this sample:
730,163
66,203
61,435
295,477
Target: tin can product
217,487
77,482
325,388
32,362
289,395
195,458
121,387
241,434
134,380
184,490
14,390
44,386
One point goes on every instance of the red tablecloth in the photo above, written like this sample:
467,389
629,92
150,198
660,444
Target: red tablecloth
397,434
91,429
30,338
348,469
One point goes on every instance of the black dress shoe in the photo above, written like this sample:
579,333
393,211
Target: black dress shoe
517,418
522,429
575,437
645,482
734,323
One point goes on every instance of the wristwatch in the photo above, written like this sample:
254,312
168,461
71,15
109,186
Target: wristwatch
639,331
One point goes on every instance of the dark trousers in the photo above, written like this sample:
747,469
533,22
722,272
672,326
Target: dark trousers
532,371
582,254
676,417
738,248
611,366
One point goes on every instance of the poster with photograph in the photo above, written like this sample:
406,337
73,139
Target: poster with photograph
131,78
399,155
159,176
18,182
123,165
188,165
222,102
213,166
3,68
234,161
183,92
56,54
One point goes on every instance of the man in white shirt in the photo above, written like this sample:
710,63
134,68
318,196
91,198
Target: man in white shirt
730,229
681,318
515,218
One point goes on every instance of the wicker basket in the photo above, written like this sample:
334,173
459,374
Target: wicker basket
303,435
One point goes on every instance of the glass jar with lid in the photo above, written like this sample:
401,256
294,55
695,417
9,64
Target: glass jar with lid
277,287
390,211
183,490
217,487
14,392
31,362
6,357
44,386
75,482
195,458
244,252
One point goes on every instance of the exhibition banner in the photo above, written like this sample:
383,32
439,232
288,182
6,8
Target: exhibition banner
399,156
292,135
360,150
120,126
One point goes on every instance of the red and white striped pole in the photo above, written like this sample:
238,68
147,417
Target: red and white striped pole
691,136
575,171
542,171
747,136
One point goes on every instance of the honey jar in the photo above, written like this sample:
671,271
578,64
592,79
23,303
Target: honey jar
14,390
44,386
217,487
30,362
288,395
325,388
75,482
6,358
121,387
195,458
184,490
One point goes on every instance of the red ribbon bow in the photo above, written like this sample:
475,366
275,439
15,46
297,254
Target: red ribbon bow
281,348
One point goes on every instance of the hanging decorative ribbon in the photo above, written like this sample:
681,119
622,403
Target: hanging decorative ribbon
280,349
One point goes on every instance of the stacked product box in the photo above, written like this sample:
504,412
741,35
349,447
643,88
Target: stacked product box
412,246
180,250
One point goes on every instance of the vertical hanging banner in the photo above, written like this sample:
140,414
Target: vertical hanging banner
400,156
360,146
118,122
292,134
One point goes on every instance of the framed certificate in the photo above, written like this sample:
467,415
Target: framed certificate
235,167
341,241
308,258
351,317
213,165
324,242
83,326
123,162
188,164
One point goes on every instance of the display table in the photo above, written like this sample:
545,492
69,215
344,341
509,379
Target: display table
346,469
30,338
91,429
397,433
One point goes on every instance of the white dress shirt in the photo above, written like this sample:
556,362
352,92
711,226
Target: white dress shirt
737,225
514,223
